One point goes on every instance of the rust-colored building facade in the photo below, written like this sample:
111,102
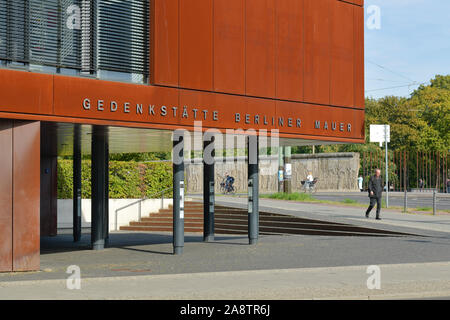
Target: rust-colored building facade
292,65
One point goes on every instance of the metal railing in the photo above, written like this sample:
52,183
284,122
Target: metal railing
139,203
439,201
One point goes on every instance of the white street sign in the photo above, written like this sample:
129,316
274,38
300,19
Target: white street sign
382,133
379,133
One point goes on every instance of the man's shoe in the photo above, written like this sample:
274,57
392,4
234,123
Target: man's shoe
378,218
367,215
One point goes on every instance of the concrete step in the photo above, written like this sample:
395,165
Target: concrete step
186,210
165,223
159,229
169,219
190,205
235,221
187,215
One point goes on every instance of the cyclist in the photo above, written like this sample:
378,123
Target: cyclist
309,180
229,180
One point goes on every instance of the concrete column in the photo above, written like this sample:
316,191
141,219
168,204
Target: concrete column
287,164
253,189
99,227
208,190
280,169
178,193
77,183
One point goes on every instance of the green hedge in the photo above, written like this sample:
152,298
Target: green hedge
127,180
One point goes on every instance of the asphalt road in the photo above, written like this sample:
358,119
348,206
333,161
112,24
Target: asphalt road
415,200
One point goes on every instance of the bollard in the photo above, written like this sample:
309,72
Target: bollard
434,202
140,211
405,201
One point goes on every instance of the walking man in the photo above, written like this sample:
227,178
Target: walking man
375,191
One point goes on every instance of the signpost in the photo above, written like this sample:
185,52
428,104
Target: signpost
382,133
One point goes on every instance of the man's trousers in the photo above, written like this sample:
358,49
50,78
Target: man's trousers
373,201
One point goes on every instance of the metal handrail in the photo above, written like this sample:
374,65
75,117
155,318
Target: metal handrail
140,205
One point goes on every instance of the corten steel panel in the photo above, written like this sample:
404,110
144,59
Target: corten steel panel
196,44
70,93
359,99
289,49
228,106
26,195
317,51
357,2
309,114
6,195
265,109
229,46
164,42
26,92
260,48
342,54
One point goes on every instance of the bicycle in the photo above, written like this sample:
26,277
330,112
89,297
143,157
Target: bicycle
309,186
226,186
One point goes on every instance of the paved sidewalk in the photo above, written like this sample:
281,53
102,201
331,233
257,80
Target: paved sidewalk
396,199
397,282
345,214
141,265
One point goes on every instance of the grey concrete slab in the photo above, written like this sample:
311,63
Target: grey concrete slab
402,281
144,256
151,254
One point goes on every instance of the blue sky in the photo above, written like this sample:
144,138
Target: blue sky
412,45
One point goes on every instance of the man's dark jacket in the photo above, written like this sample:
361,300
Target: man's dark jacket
376,186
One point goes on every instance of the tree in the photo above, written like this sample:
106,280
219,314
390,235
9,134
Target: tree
433,105
401,116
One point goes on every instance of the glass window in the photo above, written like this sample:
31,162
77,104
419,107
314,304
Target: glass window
42,68
44,27
69,72
122,40
120,76
13,43
106,38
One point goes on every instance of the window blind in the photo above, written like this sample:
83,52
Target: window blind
87,35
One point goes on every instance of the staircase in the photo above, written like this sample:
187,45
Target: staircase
235,221
163,220
226,220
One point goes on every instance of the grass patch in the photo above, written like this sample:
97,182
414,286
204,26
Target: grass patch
349,201
424,209
290,196
306,197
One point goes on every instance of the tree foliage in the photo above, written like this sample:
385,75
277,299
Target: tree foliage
420,122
